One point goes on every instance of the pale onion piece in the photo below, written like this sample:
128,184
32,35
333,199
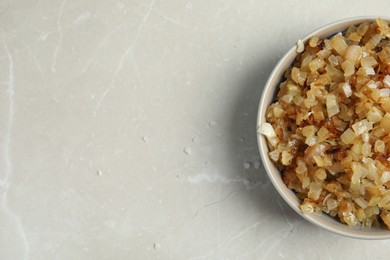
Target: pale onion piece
384,55
333,60
348,68
361,202
298,76
312,151
362,127
322,134
309,130
313,42
300,46
372,169
274,155
307,207
368,62
306,116
310,102
369,71
355,37
335,74
316,64
324,201
366,150
357,147
293,90
314,191
298,100
306,60
374,201
362,217
375,210
278,112
362,28
348,136
332,106
327,44
372,84
347,89
370,213
311,140
384,92
366,137
339,44
379,146
384,27
385,177
353,53
320,174
378,132
320,161
301,167
359,172
318,113
287,158
305,181
324,53
385,123
287,99
386,81
332,204
374,41
374,115
385,104
268,131
375,94
350,218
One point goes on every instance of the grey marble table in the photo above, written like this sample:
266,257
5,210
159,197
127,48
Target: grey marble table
127,130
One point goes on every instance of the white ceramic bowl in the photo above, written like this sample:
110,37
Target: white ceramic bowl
288,195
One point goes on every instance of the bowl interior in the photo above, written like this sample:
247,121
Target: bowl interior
289,196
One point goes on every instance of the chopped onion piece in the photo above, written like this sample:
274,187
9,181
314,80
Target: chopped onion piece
314,191
348,67
374,115
332,105
361,202
362,127
385,177
353,53
372,84
269,132
384,92
347,89
386,81
368,61
300,46
370,71
348,136
339,44
385,123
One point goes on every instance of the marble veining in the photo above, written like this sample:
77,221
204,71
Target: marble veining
5,182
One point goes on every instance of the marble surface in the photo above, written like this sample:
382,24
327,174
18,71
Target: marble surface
127,130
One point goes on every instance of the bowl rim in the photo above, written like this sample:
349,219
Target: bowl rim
288,195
